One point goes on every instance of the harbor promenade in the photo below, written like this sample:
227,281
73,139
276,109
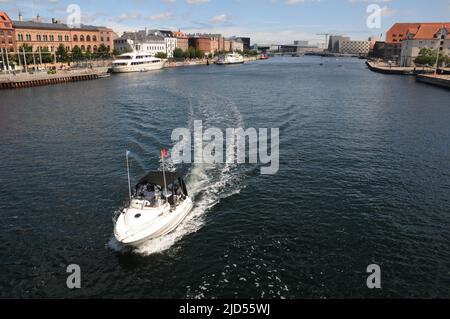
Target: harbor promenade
385,68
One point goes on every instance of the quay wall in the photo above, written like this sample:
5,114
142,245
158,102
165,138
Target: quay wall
441,81
11,81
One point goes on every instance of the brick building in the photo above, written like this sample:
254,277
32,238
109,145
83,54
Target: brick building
50,35
7,33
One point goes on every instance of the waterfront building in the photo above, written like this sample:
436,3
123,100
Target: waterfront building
247,43
428,36
182,40
50,35
299,48
170,40
208,43
335,41
354,47
301,43
7,33
144,40
236,45
244,40
226,45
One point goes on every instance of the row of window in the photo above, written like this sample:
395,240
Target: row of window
45,37
8,33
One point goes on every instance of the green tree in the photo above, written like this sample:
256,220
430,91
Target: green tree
28,49
77,54
161,55
62,54
178,53
115,52
47,57
192,53
199,54
429,57
102,51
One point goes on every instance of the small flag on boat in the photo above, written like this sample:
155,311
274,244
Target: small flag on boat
163,152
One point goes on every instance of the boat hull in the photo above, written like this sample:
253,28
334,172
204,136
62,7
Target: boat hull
228,63
138,68
167,221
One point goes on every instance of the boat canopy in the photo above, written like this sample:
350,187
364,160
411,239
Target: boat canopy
157,178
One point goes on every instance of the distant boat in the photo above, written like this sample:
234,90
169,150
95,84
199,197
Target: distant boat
263,57
231,58
137,62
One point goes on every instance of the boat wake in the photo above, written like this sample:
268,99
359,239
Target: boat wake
207,184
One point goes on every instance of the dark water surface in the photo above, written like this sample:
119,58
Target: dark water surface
364,178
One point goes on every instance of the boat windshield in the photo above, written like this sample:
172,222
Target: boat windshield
125,57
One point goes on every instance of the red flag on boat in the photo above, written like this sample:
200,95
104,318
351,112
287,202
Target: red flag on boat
163,152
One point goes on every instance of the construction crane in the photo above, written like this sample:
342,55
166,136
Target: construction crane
326,39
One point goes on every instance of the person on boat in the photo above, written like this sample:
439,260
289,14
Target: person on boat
149,193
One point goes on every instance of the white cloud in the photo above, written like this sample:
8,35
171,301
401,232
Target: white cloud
128,16
221,18
196,1
162,16
292,2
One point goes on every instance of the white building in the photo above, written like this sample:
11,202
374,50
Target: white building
142,41
426,36
171,42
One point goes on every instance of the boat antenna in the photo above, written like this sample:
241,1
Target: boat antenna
128,172
163,155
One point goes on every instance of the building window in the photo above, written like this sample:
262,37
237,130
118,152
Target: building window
94,38
82,47
52,38
88,38
82,38
28,36
60,38
75,38
7,25
45,37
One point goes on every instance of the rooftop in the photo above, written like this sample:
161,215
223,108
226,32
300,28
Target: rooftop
53,26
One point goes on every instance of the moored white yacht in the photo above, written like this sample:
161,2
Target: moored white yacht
230,58
159,204
137,62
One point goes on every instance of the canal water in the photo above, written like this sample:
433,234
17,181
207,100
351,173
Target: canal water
364,179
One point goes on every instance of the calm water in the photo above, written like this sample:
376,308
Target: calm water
364,178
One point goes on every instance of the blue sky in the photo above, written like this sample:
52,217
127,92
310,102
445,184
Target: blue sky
265,21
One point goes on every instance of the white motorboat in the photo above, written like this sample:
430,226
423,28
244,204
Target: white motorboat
159,204
153,211
230,58
137,62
